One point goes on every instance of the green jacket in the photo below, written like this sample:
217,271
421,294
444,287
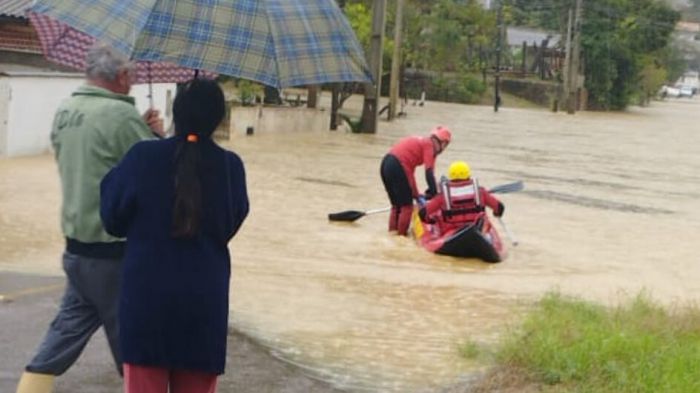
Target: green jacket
91,132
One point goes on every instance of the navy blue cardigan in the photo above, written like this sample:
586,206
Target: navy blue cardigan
173,309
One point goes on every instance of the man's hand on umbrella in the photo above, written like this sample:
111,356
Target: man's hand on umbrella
155,122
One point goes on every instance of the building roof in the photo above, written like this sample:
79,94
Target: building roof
17,35
20,43
26,72
516,36
14,8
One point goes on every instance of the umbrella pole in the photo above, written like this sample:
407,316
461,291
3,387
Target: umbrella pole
150,87
150,94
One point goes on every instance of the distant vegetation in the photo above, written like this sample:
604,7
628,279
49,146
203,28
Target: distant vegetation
626,44
569,345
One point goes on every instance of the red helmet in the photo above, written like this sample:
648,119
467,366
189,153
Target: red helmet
442,134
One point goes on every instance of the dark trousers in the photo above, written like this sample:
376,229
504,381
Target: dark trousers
90,301
395,182
400,194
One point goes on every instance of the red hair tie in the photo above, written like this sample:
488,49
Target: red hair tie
192,138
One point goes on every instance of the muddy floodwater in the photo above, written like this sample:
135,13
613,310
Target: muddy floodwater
611,206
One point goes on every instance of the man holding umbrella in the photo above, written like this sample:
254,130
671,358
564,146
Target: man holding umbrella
280,44
92,131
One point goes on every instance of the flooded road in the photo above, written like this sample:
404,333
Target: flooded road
610,207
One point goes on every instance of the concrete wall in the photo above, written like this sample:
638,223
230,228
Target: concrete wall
277,119
541,93
28,102
32,103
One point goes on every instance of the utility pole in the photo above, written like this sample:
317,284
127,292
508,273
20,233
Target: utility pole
572,101
566,75
523,64
370,112
396,61
497,82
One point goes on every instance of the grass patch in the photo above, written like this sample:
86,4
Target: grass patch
470,350
570,345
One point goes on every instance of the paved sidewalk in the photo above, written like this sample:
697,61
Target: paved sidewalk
28,303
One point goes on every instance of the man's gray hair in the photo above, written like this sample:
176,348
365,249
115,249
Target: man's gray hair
104,62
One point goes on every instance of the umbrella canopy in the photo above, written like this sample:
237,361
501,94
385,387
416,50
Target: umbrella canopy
276,42
67,46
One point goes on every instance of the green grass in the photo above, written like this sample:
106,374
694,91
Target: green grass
569,345
470,350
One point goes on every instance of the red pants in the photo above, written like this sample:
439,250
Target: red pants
141,379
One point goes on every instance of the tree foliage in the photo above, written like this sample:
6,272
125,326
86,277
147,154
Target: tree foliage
620,39
440,36
623,42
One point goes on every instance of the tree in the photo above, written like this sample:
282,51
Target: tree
619,40
444,36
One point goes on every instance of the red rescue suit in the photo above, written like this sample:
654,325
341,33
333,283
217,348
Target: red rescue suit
412,152
459,204
397,171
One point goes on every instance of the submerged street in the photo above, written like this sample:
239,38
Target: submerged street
610,208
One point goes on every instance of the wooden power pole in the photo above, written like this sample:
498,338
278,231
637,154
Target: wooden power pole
396,62
370,112
572,101
499,43
566,75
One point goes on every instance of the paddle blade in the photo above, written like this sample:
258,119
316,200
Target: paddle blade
510,187
348,215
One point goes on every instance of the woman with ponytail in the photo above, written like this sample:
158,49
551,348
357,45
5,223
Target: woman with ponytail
178,202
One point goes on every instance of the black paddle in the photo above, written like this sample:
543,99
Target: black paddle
353,215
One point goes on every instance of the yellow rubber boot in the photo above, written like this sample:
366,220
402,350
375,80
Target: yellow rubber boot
35,383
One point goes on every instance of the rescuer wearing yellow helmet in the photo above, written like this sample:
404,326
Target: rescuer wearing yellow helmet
459,170
461,200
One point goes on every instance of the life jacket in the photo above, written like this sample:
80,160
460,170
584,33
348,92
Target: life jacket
463,202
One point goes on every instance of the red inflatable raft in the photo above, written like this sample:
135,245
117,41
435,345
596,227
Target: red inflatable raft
477,240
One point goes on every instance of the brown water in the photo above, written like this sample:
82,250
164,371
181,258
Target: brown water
610,208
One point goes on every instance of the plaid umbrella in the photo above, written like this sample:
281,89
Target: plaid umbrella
66,46
277,42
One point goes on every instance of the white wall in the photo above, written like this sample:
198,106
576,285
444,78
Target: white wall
33,101
277,119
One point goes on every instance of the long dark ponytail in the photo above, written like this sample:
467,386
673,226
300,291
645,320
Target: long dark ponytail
198,109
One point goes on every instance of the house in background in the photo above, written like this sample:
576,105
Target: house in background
20,49
537,51
31,88
518,34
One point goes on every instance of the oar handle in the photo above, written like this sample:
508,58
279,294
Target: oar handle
510,234
374,211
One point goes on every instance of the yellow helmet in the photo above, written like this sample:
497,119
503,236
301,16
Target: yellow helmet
459,170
